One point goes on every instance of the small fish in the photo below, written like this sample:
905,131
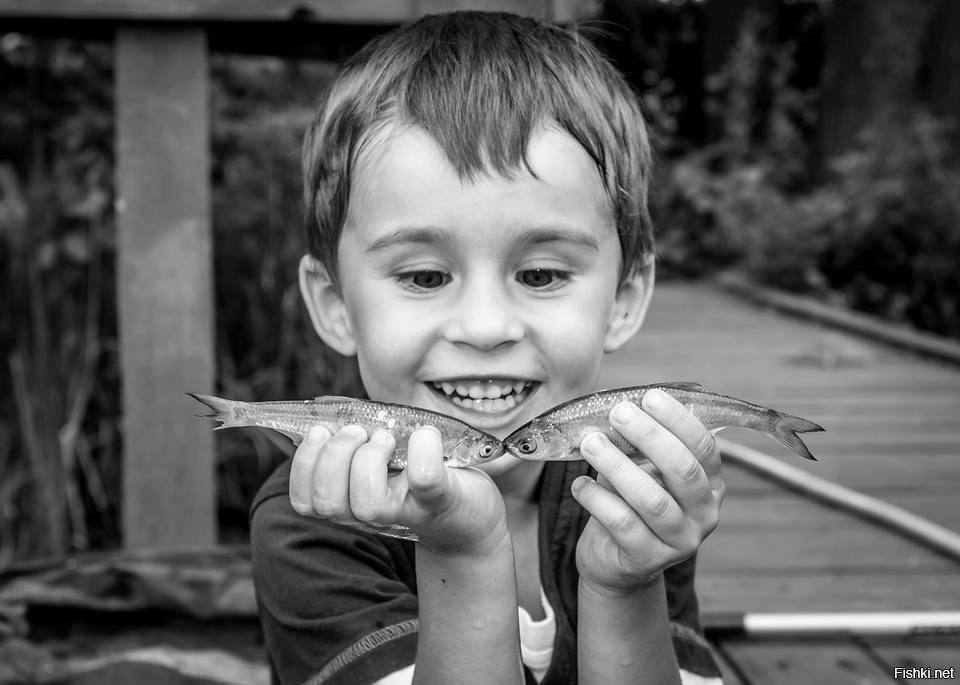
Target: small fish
463,445
555,435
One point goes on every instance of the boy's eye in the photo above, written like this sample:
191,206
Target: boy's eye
423,280
542,278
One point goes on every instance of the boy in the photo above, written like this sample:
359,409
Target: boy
478,233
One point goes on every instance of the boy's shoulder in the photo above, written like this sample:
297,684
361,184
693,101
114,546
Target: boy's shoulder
327,594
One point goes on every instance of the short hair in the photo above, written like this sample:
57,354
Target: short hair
480,84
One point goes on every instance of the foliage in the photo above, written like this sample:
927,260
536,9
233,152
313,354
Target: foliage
60,431
59,436
895,247
266,347
882,234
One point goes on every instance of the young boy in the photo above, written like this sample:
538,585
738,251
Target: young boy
479,238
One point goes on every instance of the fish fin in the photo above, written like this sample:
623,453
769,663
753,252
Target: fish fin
222,410
295,438
785,432
335,398
680,385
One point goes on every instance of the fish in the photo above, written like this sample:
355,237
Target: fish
463,445
555,435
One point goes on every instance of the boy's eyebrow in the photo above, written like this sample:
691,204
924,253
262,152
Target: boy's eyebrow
433,236
559,234
414,234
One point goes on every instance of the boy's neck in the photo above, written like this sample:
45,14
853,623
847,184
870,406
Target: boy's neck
518,486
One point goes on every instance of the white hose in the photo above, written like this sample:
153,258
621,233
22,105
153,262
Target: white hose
889,623
924,531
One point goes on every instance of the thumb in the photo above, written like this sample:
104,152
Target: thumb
427,477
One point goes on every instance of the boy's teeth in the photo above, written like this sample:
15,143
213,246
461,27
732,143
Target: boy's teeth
485,396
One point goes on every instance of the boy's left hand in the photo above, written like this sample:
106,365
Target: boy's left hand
640,527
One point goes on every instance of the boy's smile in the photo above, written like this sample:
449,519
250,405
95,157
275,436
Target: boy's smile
490,299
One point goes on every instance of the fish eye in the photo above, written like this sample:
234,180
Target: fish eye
527,445
486,449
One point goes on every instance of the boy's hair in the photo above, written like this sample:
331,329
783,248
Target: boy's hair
480,84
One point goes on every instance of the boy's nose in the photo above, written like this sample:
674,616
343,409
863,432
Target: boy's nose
485,319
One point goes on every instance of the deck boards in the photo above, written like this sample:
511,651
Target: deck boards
893,431
789,663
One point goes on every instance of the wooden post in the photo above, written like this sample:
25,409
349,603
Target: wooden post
165,293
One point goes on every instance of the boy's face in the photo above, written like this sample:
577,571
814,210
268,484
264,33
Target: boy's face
490,301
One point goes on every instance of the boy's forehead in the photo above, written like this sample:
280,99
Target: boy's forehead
403,177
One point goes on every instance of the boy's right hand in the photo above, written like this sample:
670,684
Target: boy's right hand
344,478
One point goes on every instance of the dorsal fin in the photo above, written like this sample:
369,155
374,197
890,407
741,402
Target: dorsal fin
680,385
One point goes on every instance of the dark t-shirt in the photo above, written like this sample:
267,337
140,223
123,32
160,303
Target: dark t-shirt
340,606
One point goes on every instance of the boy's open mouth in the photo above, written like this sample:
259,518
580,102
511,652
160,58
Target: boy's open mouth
486,396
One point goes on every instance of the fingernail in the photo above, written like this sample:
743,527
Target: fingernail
382,436
434,429
594,443
653,399
354,431
317,434
625,411
577,485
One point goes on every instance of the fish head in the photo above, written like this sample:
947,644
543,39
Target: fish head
541,440
475,448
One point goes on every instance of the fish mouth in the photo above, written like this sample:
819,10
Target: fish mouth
495,396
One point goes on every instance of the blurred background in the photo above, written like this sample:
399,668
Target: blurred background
811,145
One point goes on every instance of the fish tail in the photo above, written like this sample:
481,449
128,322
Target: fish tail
785,431
222,410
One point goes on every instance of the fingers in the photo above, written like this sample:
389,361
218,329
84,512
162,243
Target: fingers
686,427
320,472
301,470
638,544
682,473
369,491
426,474
637,498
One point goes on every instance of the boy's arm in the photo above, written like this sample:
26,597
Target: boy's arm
639,527
624,637
469,630
465,571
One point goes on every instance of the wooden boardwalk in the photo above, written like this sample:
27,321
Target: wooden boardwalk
893,431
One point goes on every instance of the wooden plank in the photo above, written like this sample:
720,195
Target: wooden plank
834,544
314,11
802,663
863,324
777,510
893,424
164,285
866,471
919,652
815,590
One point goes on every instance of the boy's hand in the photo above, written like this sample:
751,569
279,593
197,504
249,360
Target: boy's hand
344,478
639,526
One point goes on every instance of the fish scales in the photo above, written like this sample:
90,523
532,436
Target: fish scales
556,434
463,445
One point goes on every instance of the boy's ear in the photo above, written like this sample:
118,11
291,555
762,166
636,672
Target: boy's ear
327,309
630,306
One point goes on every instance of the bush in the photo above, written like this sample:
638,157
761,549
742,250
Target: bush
882,236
